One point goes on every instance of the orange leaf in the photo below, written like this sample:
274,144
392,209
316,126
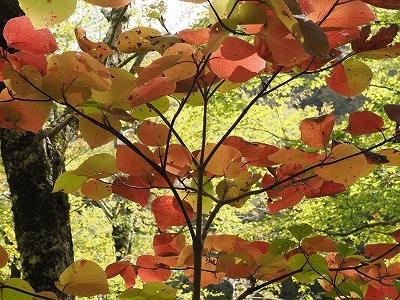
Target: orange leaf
316,132
350,78
195,37
168,244
383,250
152,90
132,188
185,66
346,171
20,34
83,278
236,60
364,122
136,40
168,213
226,161
3,257
130,162
127,271
96,189
179,159
152,134
99,50
152,268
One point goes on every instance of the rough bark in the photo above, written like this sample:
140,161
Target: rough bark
41,218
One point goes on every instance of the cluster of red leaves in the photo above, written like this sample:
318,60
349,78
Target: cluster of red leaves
233,257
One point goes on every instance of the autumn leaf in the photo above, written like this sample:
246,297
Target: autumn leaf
350,78
364,122
168,244
99,50
20,285
45,13
382,250
236,60
152,134
3,257
196,37
127,271
136,40
109,3
151,268
97,166
151,290
393,112
316,132
391,4
83,278
346,171
226,161
129,162
168,213
152,90
96,189
132,188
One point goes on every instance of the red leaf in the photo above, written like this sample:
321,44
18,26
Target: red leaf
127,271
397,235
150,91
328,188
168,213
318,243
236,60
364,122
348,14
20,34
152,134
168,244
20,59
152,269
290,197
179,159
393,112
125,187
316,132
382,250
130,162
380,40
195,37
390,4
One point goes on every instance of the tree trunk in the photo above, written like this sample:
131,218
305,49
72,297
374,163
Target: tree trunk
41,218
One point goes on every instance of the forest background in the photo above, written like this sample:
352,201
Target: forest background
366,212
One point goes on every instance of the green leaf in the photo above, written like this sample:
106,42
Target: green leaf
319,264
345,250
9,294
97,166
69,183
396,284
45,13
300,231
281,246
348,289
143,112
151,290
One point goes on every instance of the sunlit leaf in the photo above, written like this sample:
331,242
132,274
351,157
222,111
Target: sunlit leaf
136,40
10,294
316,132
383,250
96,189
235,265
151,290
129,162
152,90
97,166
391,4
132,188
99,50
364,122
270,266
20,34
109,3
124,268
185,67
300,231
48,295
167,244
69,183
45,13
350,78
168,213
151,269
195,37
236,60
346,171
224,162
152,134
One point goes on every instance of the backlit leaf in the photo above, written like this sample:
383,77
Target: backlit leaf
392,155
178,161
167,244
152,134
124,268
383,250
20,34
45,13
226,161
364,122
69,183
132,188
196,37
236,60
96,189
168,213
152,90
316,132
130,162
48,295
391,4
136,40
350,78
109,3
97,166
99,50
10,294
150,268
3,257
151,290
185,66
83,278
94,135
300,231
346,171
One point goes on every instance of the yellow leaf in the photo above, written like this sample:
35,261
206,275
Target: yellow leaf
83,278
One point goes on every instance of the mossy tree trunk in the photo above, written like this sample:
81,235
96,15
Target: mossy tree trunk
41,218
